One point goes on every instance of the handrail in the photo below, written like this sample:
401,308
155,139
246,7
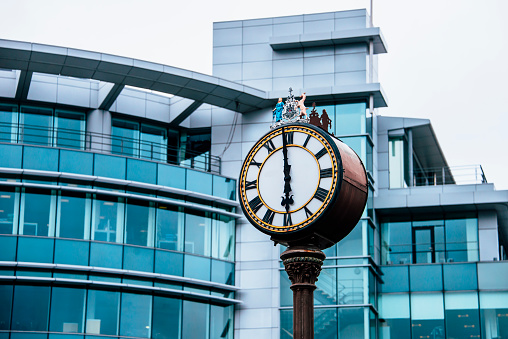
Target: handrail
455,175
99,142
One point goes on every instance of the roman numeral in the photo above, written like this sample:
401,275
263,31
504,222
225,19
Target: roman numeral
306,140
320,153
251,184
326,173
289,136
308,213
255,204
255,163
287,219
268,218
269,146
321,194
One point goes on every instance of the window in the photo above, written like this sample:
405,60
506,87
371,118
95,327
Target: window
37,216
108,218
36,126
102,312
9,207
125,138
153,144
398,162
73,219
69,129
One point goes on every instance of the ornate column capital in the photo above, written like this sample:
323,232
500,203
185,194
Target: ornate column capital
303,265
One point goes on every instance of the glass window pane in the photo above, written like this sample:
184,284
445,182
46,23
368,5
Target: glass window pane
139,223
109,166
323,320
9,210
350,285
74,212
125,138
494,313
462,315
199,182
67,310
171,176
11,156
71,252
461,240
8,246
153,143
221,322
6,292
138,259
135,315
31,308
168,263
359,145
8,123
396,279
40,158
167,318
460,277
427,315
223,238
399,170
326,292
36,126
286,324
197,233
433,278
170,226
396,242
223,272
350,119
102,312
35,249
352,244
70,129
76,162
196,151
143,171
195,320
196,267
105,255
224,187
351,323
38,209
107,218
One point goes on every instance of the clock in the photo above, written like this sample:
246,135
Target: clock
302,186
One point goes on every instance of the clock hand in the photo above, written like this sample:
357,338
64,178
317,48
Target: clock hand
287,199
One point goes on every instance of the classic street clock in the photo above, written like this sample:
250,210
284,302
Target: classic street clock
302,186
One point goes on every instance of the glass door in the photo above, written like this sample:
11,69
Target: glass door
423,245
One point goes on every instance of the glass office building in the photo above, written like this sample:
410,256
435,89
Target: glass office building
118,208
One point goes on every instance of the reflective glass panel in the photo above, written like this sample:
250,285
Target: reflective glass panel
38,209
433,280
71,252
286,295
31,308
67,310
140,170
221,322
102,312
198,327
167,318
199,182
223,237
8,123
396,279
6,292
350,285
461,240
109,166
427,315
286,324
396,243
36,126
171,176
224,187
460,277
107,219
325,323
196,149
170,226
139,223
351,322
8,246
74,211
462,315
399,170
223,272
167,262
138,259
105,255
394,310
35,249
11,155
9,210
350,119
70,129
40,158
125,137
352,244
197,233
76,162
153,143
326,292
494,314
196,267
136,315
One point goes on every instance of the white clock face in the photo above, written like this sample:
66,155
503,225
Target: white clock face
285,186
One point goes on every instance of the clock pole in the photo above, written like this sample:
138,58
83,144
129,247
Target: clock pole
303,265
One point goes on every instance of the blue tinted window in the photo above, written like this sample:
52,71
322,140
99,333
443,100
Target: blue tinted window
108,218
11,156
223,238
135,315
171,176
139,223
169,263
433,280
350,119
138,259
71,252
125,137
396,279
38,208
352,244
197,233
199,313
40,158
359,145
76,162
102,312
167,318
109,166
69,129
36,126
223,272
153,143
9,210
106,255
143,171
8,246
67,310
31,308
199,182
170,226
221,322
460,277
35,249
396,246
22,335
196,267
8,123
224,187
74,210
5,306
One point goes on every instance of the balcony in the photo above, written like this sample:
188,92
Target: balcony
457,175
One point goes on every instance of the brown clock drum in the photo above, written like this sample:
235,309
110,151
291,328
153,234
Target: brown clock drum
302,186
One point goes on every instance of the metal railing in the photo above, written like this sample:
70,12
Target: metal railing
105,143
457,175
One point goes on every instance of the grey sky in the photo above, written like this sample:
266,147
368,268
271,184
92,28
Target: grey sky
446,59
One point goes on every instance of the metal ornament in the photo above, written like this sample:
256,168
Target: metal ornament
292,111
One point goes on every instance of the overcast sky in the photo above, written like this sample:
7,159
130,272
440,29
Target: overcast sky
447,59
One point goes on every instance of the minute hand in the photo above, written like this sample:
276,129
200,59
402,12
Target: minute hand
287,199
